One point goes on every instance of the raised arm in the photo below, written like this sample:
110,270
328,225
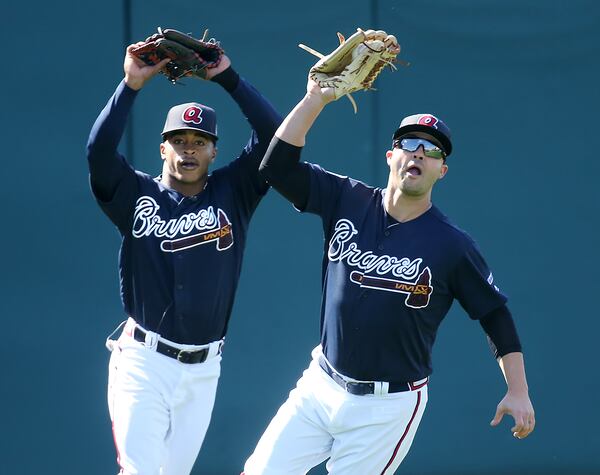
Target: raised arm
106,165
261,115
298,122
281,166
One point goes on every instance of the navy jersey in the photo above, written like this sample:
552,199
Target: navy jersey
387,285
180,257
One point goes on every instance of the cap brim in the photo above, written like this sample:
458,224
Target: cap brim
208,134
426,132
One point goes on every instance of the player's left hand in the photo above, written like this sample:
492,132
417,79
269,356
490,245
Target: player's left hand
137,73
223,65
520,408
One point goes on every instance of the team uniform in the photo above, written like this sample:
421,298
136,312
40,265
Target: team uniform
179,266
387,286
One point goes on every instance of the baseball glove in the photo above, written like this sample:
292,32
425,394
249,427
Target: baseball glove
355,63
189,56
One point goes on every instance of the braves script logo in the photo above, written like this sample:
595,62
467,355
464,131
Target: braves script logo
147,222
429,120
192,114
410,279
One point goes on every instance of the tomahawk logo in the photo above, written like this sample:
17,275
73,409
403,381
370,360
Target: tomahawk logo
222,236
418,292
409,278
213,227
192,115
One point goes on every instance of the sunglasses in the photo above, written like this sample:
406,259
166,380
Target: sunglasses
412,144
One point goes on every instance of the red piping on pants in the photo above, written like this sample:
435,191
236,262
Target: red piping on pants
414,414
117,448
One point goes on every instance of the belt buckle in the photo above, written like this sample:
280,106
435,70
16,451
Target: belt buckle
190,357
359,389
184,356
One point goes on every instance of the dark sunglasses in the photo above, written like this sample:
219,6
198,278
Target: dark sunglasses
412,144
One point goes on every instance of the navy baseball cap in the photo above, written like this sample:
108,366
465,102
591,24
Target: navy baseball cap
192,116
425,126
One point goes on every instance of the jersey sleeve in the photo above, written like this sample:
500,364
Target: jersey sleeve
501,332
113,181
119,208
472,284
325,190
307,186
282,169
249,186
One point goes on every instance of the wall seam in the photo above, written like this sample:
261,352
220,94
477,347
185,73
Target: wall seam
375,104
129,131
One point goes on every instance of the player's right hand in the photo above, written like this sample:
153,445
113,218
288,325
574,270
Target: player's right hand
136,71
325,94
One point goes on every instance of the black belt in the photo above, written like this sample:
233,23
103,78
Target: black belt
184,356
361,389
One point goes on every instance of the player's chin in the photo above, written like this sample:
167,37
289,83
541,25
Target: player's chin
189,177
413,188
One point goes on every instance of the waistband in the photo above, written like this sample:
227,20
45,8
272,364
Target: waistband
362,388
188,354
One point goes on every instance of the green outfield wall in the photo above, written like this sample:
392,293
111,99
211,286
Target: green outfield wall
517,81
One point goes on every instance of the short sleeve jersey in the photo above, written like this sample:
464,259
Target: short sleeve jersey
388,285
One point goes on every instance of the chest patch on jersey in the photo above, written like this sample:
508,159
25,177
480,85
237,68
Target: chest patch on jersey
402,275
212,227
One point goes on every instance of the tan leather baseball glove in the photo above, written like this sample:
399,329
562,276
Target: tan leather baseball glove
355,63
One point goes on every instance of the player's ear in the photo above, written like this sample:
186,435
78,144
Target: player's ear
388,155
214,154
162,150
443,171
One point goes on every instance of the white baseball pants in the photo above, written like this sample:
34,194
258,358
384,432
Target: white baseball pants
361,435
160,408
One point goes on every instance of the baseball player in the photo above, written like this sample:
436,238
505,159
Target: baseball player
393,264
183,237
